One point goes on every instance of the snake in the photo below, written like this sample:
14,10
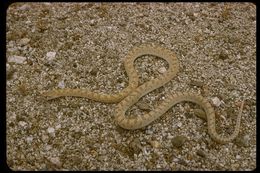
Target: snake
133,92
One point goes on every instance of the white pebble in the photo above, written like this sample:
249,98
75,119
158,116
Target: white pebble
158,166
50,55
61,84
92,21
238,157
17,59
48,147
55,160
175,160
22,123
29,139
216,101
170,136
162,70
247,137
51,130
8,68
179,124
149,132
58,126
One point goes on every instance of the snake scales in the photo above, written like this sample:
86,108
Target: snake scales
132,93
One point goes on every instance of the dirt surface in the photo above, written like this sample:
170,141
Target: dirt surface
83,45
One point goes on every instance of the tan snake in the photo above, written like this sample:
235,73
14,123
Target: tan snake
132,93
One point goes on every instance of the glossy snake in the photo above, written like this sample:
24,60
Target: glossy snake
132,93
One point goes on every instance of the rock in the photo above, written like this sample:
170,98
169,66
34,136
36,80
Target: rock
16,59
196,83
48,147
94,71
135,145
24,41
58,126
50,56
25,7
201,153
56,161
50,130
10,74
223,56
149,131
179,124
242,141
238,157
45,138
29,139
182,162
22,123
61,84
216,101
178,141
188,115
92,22
162,70
155,144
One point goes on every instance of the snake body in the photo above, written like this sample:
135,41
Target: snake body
132,93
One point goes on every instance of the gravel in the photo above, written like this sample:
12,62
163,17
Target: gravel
83,45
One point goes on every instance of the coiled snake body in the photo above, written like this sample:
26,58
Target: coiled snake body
132,93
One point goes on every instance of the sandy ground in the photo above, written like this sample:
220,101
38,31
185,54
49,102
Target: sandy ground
83,45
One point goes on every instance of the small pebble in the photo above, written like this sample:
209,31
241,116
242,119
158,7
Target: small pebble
216,101
22,123
56,161
178,141
223,56
48,147
242,141
25,7
179,124
24,41
182,162
92,22
188,115
238,157
196,83
16,59
94,71
162,70
50,130
29,139
61,84
149,131
45,138
135,145
201,153
58,126
51,55
155,144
